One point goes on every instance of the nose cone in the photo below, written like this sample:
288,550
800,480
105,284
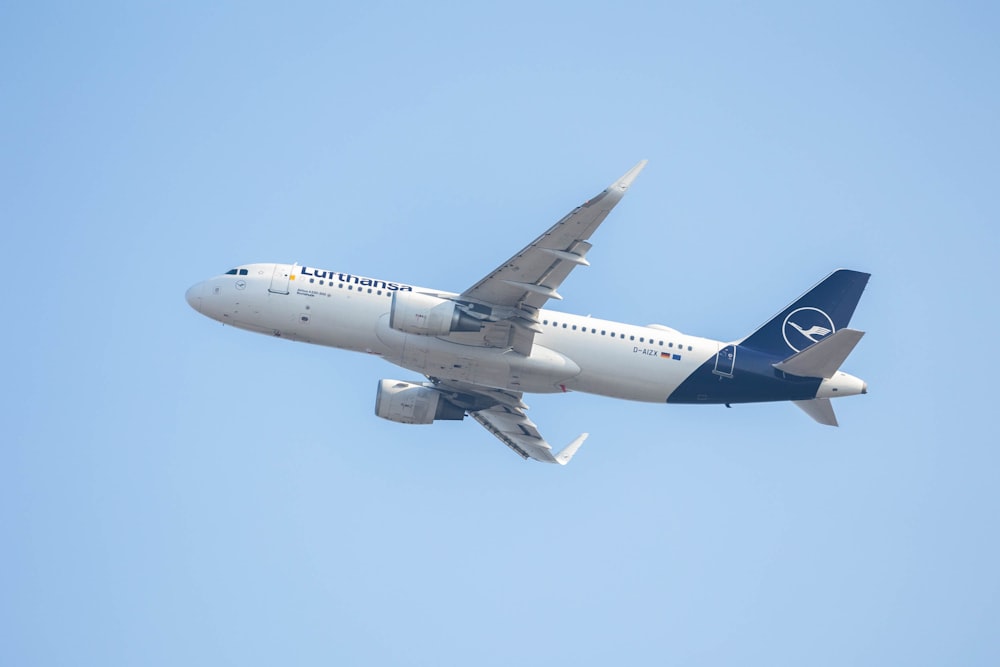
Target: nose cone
193,296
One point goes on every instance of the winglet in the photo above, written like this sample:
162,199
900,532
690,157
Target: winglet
625,181
563,457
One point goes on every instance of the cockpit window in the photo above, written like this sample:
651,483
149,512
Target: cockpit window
231,272
243,272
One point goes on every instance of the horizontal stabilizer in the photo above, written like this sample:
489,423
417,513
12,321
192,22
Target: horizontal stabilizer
819,409
822,359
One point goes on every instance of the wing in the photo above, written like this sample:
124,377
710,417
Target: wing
521,285
502,413
515,430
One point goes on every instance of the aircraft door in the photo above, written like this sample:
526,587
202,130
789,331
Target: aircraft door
725,361
279,281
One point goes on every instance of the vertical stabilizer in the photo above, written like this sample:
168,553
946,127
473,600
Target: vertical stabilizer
821,311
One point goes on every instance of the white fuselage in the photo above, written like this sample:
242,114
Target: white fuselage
482,349
571,353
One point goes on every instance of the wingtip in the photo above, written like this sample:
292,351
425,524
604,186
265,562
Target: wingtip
567,453
625,181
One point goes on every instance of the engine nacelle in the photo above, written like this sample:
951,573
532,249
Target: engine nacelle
410,403
427,315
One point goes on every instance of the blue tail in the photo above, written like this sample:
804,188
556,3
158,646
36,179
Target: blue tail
825,308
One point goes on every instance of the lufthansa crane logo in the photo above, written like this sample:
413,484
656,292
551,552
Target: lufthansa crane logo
805,326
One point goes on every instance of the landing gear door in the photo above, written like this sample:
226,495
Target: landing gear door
725,361
279,281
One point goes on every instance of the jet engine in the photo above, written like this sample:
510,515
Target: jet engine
427,315
410,403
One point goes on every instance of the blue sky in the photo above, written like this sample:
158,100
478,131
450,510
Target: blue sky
173,491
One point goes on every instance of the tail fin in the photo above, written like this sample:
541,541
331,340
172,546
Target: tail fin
824,309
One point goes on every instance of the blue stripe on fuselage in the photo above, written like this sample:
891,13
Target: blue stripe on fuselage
754,380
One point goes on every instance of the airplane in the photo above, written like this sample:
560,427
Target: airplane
479,351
